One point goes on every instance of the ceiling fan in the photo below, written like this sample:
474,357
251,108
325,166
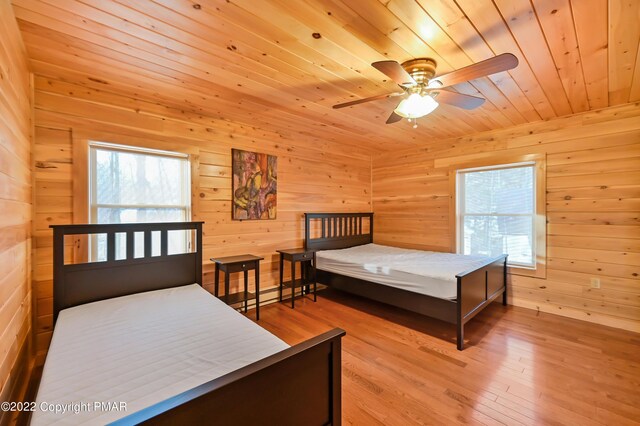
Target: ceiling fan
422,91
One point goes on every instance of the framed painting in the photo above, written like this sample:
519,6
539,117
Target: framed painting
255,185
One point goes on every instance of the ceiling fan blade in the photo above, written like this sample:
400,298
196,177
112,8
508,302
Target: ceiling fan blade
395,72
458,99
393,118
503,62
369,99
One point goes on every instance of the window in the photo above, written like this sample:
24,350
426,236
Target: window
497,212
137,185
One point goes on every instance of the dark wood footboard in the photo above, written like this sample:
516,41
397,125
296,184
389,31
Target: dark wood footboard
298,386
477,288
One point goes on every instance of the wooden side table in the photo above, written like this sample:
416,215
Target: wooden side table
243,263
307,260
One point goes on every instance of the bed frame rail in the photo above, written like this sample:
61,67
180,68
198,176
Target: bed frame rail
298,386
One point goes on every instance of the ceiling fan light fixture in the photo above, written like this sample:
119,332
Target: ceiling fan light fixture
416,106
419,81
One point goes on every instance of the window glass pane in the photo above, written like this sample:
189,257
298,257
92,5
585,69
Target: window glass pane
178,241
137,178
155,243
120,215
496,235
142,215
138,245
100,242
505,191
138,187
121,245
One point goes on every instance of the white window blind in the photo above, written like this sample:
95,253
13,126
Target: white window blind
133,185
496,212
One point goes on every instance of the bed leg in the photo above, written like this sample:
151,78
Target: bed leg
459,323
504,297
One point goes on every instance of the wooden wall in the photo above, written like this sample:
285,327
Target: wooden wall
591,158
593,200
15,207
313,175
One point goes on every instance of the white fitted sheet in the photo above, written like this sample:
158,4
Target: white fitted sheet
143,349
425,272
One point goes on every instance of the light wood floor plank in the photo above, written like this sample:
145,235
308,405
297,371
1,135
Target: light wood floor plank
520,366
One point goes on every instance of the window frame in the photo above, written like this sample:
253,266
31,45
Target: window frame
107,146
540,231
185,205
80,139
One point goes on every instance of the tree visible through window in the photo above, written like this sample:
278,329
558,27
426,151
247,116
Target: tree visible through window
496,212
130,185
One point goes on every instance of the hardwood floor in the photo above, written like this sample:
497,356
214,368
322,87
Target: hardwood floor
520,366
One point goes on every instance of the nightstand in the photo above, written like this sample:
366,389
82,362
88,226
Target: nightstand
307,260
243,263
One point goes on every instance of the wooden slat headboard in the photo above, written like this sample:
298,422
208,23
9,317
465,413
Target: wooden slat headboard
331,231
80,283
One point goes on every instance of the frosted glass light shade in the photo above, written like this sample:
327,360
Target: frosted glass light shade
416,106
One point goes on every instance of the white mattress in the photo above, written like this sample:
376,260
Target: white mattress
425,272
142,349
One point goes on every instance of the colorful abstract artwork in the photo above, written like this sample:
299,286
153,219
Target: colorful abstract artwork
255,185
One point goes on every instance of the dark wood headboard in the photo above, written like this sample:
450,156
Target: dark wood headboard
331,231
80,283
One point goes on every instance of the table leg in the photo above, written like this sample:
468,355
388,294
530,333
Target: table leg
303,277
307,276
246,290
315,278
257,290
293,284
226,286
217,281
281,276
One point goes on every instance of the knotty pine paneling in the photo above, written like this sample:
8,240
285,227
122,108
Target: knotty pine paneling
289,65
15,208
592,197
313,175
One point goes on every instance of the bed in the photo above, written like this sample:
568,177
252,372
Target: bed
446,286
139,328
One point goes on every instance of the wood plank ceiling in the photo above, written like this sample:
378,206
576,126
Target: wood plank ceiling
282,64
